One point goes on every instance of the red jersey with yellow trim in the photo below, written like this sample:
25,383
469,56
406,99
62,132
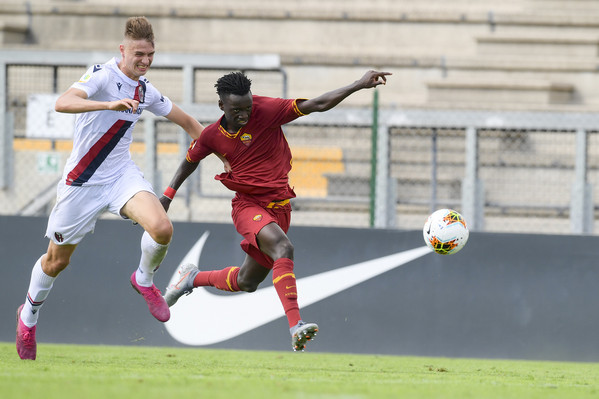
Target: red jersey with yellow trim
259,154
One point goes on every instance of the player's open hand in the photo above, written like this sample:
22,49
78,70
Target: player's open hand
373,79
124,105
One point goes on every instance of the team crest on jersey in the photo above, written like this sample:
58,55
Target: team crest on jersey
257,218
246,139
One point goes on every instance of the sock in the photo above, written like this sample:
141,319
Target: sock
225,279
284,281
152,255
39,288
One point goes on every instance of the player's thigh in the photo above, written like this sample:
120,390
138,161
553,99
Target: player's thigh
249,218
129,195
132,197
273,241
264,231
145,209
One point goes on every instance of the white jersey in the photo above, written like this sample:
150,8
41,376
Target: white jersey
102,138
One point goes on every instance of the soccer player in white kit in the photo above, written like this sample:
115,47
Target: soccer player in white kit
100,176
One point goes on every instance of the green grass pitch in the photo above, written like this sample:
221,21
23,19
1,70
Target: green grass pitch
110,372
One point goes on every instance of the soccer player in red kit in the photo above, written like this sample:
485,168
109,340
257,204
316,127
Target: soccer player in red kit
250,141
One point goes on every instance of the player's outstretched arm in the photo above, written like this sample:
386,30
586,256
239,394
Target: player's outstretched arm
186,121
330,99
185,169
74,101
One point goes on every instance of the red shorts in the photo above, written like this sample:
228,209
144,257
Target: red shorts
249,218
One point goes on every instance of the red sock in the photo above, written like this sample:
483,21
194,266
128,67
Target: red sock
225,279
284,281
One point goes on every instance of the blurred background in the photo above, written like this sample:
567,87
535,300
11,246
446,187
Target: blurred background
491,109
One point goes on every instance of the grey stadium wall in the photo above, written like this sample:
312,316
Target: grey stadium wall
503,296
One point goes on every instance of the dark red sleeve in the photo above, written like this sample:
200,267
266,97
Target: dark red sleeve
198,149
277,111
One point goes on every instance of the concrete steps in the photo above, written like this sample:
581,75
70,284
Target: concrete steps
556,47
506,92
502,47
13,29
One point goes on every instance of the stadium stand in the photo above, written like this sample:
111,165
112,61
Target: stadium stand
426,42
512,55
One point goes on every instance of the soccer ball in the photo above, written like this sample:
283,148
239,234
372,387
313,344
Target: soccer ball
445,232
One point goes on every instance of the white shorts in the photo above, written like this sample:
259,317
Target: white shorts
78,207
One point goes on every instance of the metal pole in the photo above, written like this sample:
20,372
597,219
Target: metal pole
151,158
581,202
374,153
189,83
434,155
5,141
385,186
472,186
7,151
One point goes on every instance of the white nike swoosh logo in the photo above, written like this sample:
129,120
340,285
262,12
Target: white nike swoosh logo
203,318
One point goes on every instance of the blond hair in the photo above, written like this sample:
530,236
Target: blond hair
139,28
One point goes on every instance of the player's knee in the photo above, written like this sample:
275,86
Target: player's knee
52,266
162,232
248,288
247,285
284,249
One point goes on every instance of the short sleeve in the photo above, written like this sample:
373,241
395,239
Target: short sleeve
196,151
278,111
159,105
92,81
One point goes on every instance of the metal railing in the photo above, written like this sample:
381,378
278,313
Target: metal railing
387,168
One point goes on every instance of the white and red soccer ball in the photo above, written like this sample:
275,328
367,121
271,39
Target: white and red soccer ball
445,232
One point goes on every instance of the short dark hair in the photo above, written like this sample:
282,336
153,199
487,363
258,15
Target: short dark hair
233,83
139,28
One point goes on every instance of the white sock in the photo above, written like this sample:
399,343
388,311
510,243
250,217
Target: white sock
152,255
39,288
